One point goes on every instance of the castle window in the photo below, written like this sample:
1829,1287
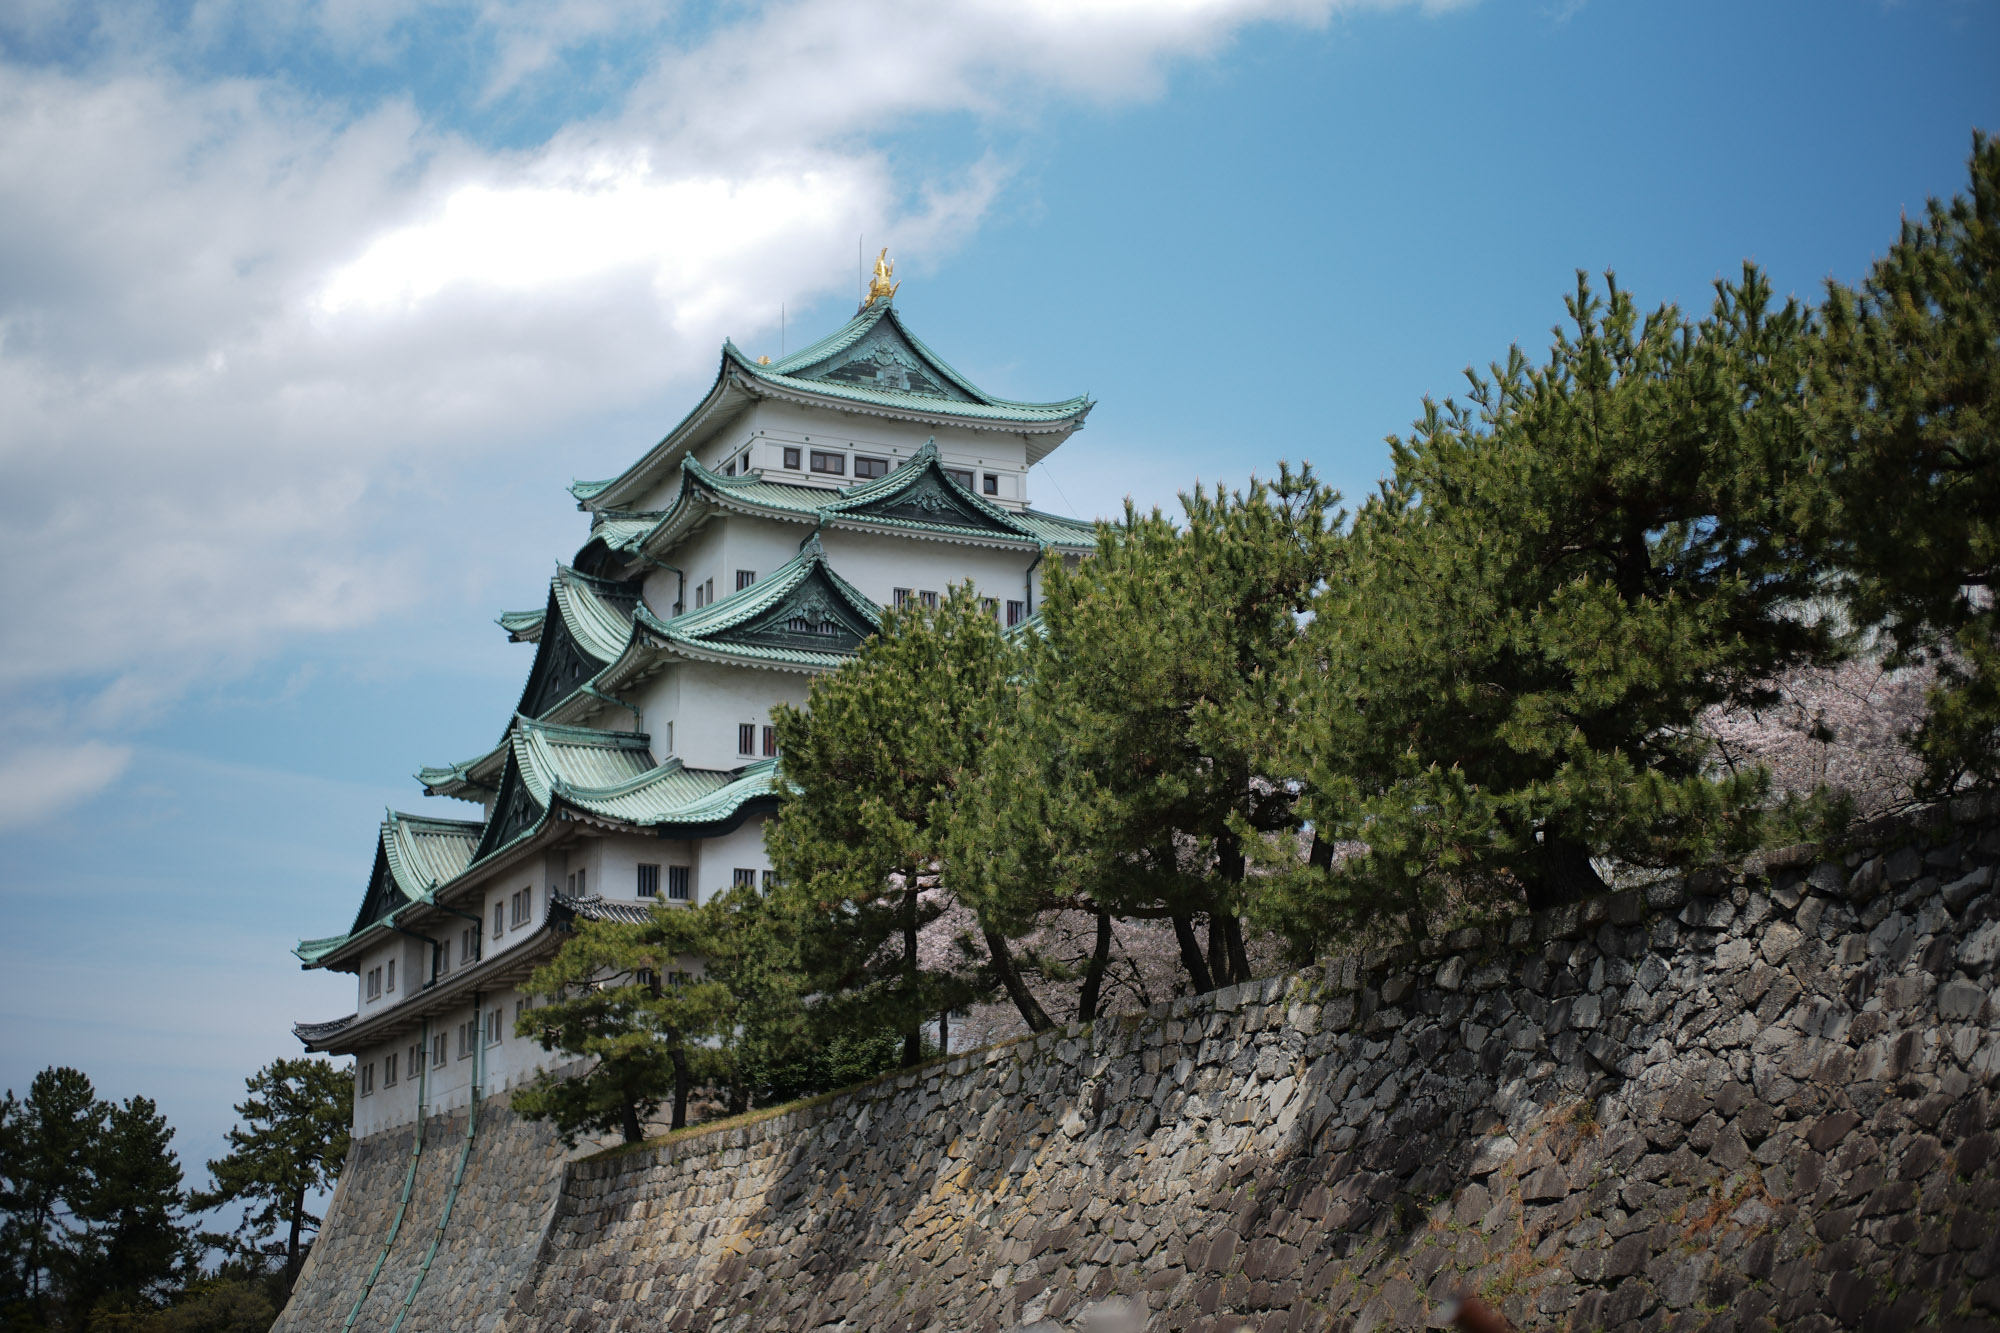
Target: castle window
493,1033
368,1078
991,605
649,881
833,465
792,459
746,738
1016,613
744,879
990,483
963,476
389,1071
416,1061
677,883
730,471
438,1051
929,599
391,987
744,578
499,914
870,468
468,946
899,597
770,742
770,880
372,984
826,629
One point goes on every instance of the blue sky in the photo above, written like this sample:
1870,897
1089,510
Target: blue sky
308,313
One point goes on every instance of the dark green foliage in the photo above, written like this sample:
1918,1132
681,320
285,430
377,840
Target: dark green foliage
1559,577
692,996
290,1147
840,1060
1124,780
92,1202
1908,397
874,767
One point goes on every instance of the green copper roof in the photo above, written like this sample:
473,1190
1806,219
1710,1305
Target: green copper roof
874,366
875,359
413,855
471,779
522,626
918,497
800,614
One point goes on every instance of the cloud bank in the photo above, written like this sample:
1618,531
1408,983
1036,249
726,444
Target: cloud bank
272,303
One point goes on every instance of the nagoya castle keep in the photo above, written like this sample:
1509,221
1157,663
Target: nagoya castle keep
750,549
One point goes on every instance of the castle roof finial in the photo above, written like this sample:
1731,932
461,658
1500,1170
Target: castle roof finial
882,286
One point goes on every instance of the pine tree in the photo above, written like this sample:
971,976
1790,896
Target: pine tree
1907,395
1124,781
135,1245
290,1147
1558,578
46,1143
873,766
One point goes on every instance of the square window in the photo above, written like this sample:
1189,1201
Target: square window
990,483
649,881
744,879
991,606
770,742
746,738
963,476
929,599
833,465
677,883
791,458
744,578
1016,613
870,468
900,597
770,879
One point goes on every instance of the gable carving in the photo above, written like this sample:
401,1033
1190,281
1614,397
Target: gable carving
883,360
514,811
814,618
560,666
930,499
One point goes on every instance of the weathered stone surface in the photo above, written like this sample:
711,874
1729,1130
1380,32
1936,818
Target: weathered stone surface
1728,1104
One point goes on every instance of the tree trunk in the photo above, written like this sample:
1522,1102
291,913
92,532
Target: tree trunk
1567,875
683,1084
944,1032
1191,959
1017,990
292,1243
913,1036
1218,953
1093,978
1232,937
628,1117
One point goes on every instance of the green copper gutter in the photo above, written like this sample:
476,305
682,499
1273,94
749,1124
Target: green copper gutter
638,718
409,1182
458,1176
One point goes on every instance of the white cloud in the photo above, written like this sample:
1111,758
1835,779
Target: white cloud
36,781
261,351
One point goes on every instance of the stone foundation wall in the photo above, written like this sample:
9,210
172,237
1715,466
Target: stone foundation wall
1759,1100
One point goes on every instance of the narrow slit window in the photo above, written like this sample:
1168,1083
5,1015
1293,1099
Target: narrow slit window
770,742
1016,613
746,738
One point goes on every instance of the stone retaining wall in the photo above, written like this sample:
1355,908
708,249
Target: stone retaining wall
1760,1100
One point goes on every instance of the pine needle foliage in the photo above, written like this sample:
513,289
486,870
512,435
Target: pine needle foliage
1561,573
1907,394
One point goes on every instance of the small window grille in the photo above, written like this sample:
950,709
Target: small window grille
824,629
792,459
499,919
416,1061
373,989
770,880
677,883
870,468
990,483
833,465
929,599
1016,613
389,1071
649,881
991,605
468,946
368,1078
744,578
746,738
744,879
494,1032
770,742
900,597
438,1054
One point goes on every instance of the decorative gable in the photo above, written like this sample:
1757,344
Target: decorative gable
926,495
813,617
514,812
884,359
383,895
561,665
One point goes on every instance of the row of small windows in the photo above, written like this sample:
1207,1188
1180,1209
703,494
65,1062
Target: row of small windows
465,1039
830,464
1016,611
746,740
